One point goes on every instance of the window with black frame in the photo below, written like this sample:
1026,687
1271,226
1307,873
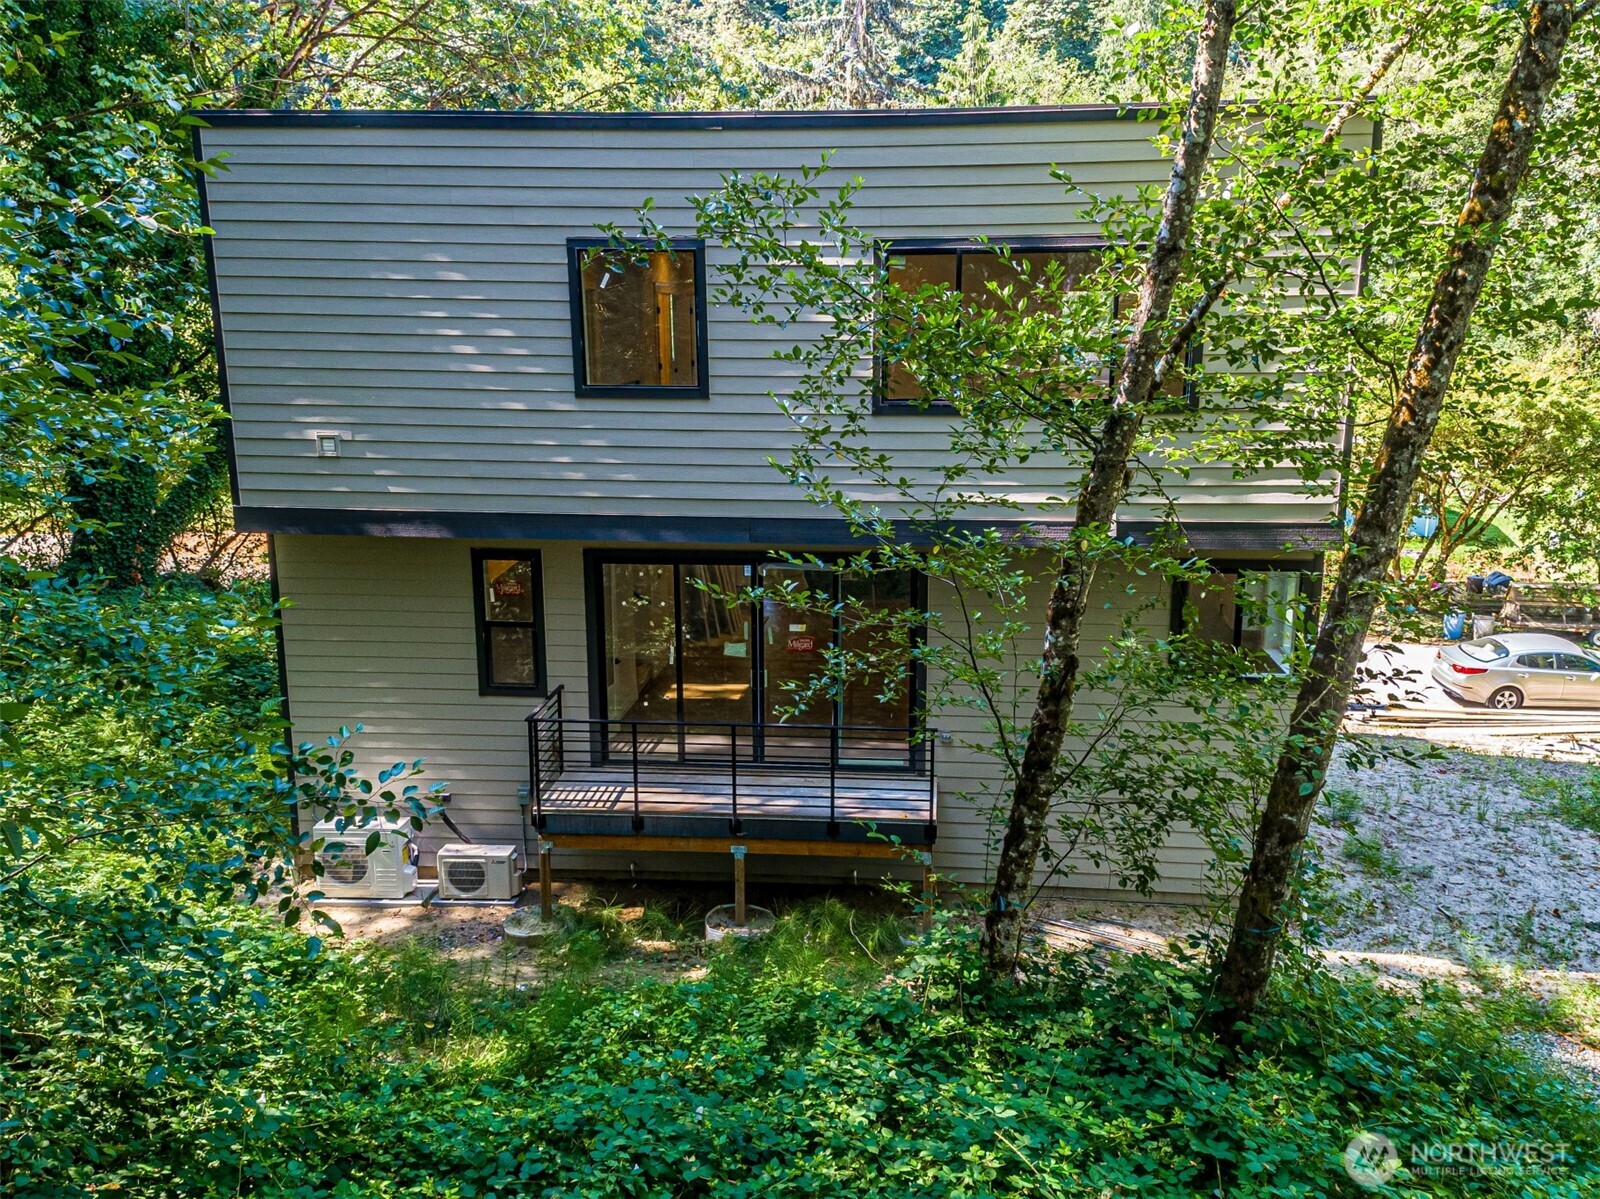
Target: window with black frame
1254,610
638,319
509,594
983,274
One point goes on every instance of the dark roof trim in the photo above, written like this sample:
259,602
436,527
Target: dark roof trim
867,118
1264,536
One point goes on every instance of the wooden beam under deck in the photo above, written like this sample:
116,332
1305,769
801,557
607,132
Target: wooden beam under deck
753,845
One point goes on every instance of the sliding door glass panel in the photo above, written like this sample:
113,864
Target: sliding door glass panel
796,633
877,699
641,654
718,680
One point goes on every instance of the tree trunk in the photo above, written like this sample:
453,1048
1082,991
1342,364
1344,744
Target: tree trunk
1375,537
1100,494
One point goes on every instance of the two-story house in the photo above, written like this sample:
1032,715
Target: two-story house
496,469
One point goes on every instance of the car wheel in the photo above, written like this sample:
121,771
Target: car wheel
1505,699
1593,638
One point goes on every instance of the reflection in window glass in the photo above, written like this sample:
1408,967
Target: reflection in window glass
1215,616
677,650
641,641
1253,612
511,660
1266,624
508,594
640,317
981,275
715,637
509,621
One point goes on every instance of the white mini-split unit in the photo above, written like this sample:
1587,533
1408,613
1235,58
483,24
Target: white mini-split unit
479,872
349,871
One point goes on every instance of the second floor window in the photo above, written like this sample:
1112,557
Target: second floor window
638,319
980,273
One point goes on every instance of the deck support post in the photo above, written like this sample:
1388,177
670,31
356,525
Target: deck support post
546,904
927,891
739,912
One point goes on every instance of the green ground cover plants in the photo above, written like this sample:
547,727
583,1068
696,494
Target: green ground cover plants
164,1033
828,1061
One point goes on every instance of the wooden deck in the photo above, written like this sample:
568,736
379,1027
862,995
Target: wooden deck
685,801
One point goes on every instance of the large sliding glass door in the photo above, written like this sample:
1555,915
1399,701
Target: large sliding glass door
795,638
683,645
715,635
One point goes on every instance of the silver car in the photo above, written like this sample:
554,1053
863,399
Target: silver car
1516,669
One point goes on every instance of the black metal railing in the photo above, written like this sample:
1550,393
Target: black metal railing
737,769
545,749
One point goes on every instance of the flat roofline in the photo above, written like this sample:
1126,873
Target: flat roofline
864,118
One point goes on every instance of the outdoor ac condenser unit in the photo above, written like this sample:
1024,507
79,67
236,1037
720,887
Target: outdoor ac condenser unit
479,872
349,871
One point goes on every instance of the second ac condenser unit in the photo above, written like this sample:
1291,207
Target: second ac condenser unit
479,872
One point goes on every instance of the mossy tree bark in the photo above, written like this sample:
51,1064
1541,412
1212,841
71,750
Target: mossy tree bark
1102,490
1375,537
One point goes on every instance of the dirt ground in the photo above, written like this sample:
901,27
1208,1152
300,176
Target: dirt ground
663,923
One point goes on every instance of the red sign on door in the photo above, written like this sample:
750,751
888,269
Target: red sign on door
802,645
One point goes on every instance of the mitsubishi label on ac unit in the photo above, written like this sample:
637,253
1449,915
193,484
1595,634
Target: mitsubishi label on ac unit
479,872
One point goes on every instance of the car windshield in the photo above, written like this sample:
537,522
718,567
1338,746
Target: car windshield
1486,650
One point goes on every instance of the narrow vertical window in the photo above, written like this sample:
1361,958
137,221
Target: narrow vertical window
508,588
638,320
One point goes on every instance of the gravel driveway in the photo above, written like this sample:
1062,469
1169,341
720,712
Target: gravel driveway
1468,854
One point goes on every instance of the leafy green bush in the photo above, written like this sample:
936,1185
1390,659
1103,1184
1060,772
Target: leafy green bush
159,1037
309,1073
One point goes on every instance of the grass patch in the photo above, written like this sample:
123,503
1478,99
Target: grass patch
1341,806
1575,1009
1575,802
1372,855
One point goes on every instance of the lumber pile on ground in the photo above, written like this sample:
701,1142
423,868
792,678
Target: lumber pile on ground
1489,722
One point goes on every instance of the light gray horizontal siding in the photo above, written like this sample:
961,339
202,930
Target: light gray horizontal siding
379,632
409,288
